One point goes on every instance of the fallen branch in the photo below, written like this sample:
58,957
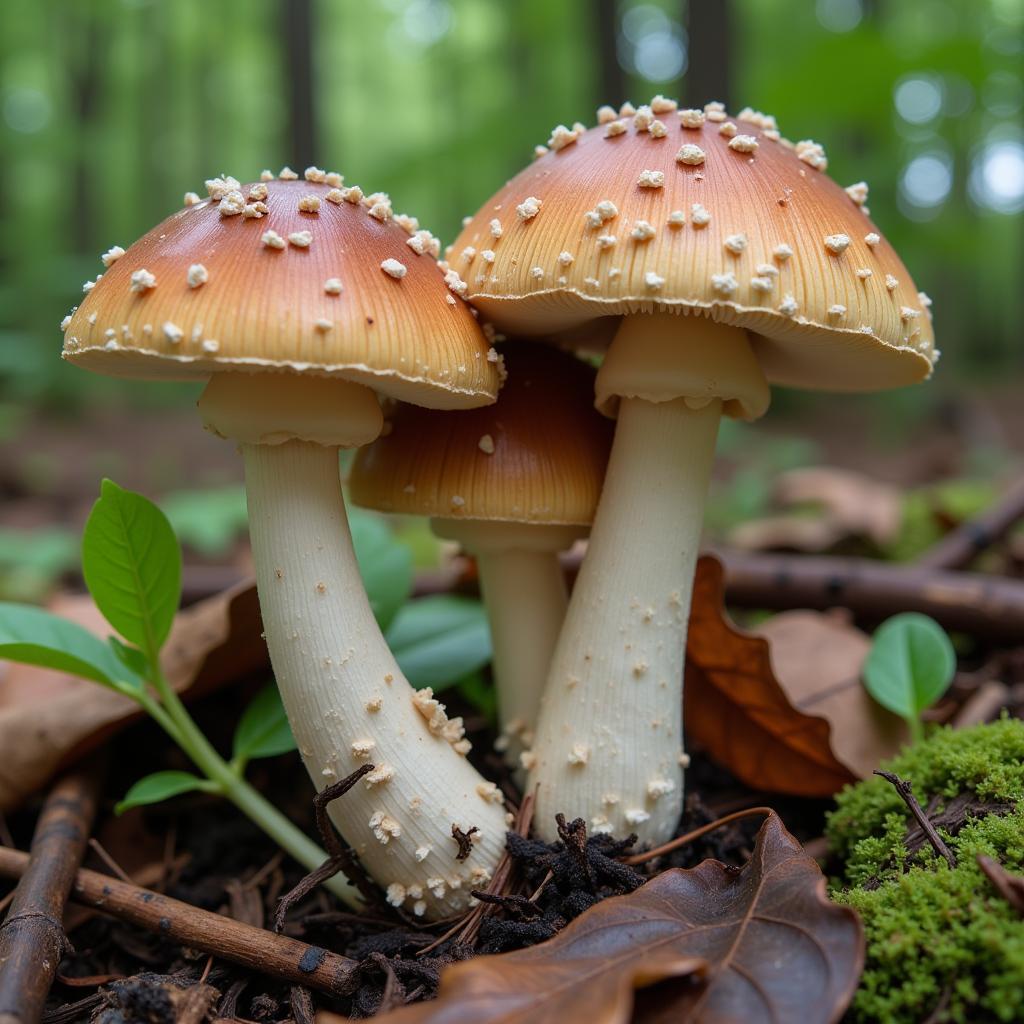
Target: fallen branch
252,948
985,606
340,857
1010,887
32,939
905,791
961,546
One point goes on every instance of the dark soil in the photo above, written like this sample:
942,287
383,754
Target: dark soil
200,850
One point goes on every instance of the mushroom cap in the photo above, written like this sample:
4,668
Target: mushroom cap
263,308
840,330
538,455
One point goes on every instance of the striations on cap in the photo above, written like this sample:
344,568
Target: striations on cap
536,456
739,179
241,297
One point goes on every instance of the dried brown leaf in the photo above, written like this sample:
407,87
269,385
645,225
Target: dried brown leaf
736,709
48,719
816,658
850,503
760,943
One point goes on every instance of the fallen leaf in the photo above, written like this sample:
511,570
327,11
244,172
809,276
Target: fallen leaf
787,533
790,718
48,719
849,504
816,658
863,506
762,943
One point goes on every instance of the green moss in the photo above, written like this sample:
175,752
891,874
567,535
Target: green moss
934,933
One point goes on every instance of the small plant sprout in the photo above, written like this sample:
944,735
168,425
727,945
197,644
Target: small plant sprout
515,483
132,566
290,395
909,667
694,331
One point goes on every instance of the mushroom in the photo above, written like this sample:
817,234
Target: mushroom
712,263
515,483
297,327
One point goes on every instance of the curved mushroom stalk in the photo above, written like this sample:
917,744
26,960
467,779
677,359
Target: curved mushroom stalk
347,700
609,742
523,587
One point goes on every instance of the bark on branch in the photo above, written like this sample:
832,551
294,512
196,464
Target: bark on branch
961,546
253,948
985,606
32,939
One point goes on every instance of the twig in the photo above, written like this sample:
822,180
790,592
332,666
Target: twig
905,790
32,939
689,837
1010,887
302,1005
983,705
97,847
961,546
340,856
253,948
984,606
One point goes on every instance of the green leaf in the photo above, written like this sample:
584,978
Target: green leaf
439,640
131,657
132,566
910,664
384,563
263,730
161,786
210,520
36,637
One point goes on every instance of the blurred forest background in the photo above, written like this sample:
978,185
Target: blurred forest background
111,109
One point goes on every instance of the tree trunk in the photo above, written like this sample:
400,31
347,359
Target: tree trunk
297,31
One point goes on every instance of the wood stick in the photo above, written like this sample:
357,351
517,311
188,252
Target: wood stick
984,606
961,546
906,793
253,948
32,939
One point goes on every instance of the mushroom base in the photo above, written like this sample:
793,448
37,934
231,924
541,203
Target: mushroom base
609,742
347,701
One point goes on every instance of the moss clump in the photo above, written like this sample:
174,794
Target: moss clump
934,934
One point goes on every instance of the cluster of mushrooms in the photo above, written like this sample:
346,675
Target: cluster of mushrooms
704,257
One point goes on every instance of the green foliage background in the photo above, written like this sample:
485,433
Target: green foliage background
111,109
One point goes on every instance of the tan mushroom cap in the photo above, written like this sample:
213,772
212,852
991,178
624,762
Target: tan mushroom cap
827,314
536,456
270,308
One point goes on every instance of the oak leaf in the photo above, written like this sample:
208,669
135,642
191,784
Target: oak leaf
761,943
783,708
49,718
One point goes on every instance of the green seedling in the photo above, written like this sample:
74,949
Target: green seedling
909,667
131,562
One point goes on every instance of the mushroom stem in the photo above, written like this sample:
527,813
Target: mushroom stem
523,586
526,598
347,700
609,743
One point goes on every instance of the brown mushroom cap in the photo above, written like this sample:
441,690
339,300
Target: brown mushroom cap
263,308
536,456
844,318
